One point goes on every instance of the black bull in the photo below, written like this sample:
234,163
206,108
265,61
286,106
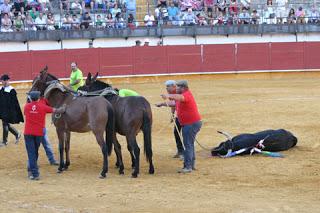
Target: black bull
275,140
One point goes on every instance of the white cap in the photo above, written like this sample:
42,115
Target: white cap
170,82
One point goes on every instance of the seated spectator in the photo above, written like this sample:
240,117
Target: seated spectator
5,7
162,14
41,22
244,17
30,25
75,22
88,4
76,6
189,18
291,17
50,22
220,19
200,20
173,13
131,22
210,18
208,5
115,10
222,6
281,10
109,21
118,21
18,23
34,13
193,4
269,14
314,16
99,22
31,4
86,21
100,5
255,17
6,23
19,6
64,5
149,20
45,5
67,22
233,7
300,14
245,4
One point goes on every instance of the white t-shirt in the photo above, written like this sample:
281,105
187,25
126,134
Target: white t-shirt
42,21
149,20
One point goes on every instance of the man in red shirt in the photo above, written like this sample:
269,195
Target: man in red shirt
35,114
190,120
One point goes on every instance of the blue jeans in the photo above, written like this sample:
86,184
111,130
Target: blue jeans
47,146
189,133
32,147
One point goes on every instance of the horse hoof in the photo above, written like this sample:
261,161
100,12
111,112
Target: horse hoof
121,172
134,175
101,176
151,171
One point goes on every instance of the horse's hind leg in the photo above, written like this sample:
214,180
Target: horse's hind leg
67,150
132,155
136,154
117,149
61,137
103,146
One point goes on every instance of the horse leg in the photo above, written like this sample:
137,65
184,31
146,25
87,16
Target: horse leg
61,135
131,154
67,150
136,154
117,149
103,146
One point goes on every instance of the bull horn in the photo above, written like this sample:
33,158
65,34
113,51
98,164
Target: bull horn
227,135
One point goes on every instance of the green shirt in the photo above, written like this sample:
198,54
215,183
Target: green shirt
127,92
76,75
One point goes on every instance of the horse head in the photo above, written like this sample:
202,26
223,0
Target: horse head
42,81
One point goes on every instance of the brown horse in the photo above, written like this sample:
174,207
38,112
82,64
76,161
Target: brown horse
132,114
82,114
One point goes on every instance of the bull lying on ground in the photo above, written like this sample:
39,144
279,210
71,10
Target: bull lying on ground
273,141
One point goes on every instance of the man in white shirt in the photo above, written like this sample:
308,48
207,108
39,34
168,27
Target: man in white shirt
281,10
149,20
41,22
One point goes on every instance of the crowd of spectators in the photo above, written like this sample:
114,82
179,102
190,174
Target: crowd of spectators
19,15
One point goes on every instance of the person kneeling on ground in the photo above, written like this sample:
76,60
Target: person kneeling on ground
35,113
190,120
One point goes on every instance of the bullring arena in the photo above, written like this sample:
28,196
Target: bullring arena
236,103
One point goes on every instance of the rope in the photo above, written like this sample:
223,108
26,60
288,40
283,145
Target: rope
179,133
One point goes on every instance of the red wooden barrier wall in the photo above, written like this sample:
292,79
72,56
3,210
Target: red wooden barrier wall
165,59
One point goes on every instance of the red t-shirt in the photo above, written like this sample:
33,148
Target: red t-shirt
44,101
187,110
35,114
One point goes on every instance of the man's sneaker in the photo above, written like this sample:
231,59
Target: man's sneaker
31,177
54,163
18,138
184,170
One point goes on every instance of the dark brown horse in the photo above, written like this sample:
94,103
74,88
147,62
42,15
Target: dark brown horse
83,114
132,114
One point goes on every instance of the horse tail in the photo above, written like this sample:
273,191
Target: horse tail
110,128
146,129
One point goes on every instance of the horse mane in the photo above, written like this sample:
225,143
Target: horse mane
52,87
102,84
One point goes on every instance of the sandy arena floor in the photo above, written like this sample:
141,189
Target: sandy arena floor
241,184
